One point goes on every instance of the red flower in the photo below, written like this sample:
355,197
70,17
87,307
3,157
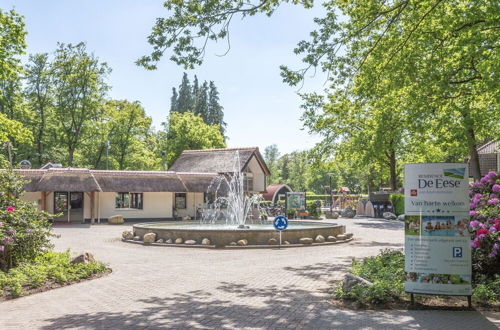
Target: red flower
482,231
10,208
497,220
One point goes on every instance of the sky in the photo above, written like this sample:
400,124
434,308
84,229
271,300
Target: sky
259,108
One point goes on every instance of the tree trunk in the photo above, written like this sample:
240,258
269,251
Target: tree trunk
392,169
475,170
71,151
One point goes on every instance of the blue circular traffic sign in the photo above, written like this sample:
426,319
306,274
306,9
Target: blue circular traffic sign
280,223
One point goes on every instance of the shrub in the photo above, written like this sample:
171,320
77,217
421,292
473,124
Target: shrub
485,225
385,271
398,201
47,267
24,230
312,208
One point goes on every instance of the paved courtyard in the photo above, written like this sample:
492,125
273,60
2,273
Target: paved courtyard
162,287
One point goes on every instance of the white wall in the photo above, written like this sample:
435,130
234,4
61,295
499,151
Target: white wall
193,201
259,179
155,205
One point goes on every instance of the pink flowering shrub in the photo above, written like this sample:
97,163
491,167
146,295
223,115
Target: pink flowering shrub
485,224
24,230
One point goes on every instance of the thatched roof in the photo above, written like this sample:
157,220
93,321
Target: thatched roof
138,181
73,180
217,160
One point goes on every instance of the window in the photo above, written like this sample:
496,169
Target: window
248,181
125,200
180,201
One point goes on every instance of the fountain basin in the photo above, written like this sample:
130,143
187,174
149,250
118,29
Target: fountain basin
221,235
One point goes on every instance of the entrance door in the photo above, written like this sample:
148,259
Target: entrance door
70,204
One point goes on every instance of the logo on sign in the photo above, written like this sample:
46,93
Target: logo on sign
413,192
280,223
457,252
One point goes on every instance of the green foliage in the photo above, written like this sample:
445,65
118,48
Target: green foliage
487,291
313,209
385,271
44,269
186,131
398,200
202,101
24,230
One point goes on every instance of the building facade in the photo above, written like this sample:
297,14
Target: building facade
75,194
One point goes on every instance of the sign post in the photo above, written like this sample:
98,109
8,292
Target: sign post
437,243
280,223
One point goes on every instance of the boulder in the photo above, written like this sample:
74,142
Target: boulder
320,239
160,240
306,240
242,242
127,234
116,220
149,238
401,217
137,238
342,237
348,235
331,215
190,242
84,258
232,244
389,216
179,240
205,241
351,280
272,241
286,242
331,239
348,212
169,241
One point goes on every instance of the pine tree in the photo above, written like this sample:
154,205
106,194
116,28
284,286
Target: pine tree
185,98
201,107
196,91
173,100
215,110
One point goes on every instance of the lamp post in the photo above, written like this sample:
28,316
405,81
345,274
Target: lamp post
331,197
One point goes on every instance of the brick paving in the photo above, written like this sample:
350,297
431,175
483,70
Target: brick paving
167,287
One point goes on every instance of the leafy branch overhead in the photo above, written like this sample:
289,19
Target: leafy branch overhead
192,24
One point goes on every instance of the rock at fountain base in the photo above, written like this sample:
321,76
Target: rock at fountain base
149,238
242,242
306,240
169,241
331,239
320,239
205,241
272,241
190,242
233,244
179,240
160,240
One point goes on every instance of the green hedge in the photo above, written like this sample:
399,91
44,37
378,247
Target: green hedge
311,208
398,201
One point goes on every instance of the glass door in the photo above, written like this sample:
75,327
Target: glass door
69,205
61,205
76,206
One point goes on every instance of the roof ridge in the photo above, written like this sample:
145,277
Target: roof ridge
220,149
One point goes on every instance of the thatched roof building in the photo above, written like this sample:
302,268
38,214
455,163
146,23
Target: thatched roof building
76,179
218,160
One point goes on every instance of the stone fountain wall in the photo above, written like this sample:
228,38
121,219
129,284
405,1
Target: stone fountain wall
222,238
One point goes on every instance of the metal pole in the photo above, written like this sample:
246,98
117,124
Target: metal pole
107,153
280,241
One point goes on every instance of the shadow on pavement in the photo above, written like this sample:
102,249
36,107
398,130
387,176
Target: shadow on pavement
382,224
237,305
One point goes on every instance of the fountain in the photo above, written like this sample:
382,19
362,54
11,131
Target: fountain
226,220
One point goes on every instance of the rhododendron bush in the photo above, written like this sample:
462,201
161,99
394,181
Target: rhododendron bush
24,230
485,224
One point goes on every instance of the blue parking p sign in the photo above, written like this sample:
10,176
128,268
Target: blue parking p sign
457,252
280,223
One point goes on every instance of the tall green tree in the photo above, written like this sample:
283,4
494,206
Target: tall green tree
215,110
39,96
271,156
201,107
79,89
173,99
186,131
185,100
